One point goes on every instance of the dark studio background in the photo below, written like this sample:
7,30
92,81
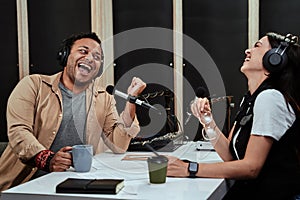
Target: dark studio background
221,27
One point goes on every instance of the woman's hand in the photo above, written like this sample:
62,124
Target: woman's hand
177,167
201,109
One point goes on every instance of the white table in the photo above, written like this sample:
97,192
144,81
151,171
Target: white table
135,173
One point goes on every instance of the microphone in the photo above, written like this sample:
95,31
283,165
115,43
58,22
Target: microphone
130,98
201,92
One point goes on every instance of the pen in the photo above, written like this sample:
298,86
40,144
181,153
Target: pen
200,149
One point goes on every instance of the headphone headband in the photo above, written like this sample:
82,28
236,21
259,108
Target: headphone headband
290,39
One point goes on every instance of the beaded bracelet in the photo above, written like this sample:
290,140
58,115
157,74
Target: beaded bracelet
42,160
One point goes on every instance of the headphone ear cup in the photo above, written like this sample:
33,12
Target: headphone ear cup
62,56
273,61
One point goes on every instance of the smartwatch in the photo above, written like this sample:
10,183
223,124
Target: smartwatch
193,169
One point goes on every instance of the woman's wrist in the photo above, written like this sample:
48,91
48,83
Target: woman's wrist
209,131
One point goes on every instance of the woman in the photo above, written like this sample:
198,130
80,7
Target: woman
261,152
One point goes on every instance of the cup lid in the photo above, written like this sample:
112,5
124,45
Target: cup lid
158,159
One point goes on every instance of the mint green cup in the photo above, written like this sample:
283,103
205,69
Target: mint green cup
157,166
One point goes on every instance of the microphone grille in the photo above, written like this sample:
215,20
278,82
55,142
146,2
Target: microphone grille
110,89
201,92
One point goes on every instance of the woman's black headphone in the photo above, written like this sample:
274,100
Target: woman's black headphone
64,52
276,59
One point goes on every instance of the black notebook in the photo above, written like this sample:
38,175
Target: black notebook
90,186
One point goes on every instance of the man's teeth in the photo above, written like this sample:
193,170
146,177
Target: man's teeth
247,59
86,67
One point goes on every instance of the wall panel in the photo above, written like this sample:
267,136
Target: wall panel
279,16
130,17
9,58
50,21
220,27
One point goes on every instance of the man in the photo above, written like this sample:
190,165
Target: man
46,115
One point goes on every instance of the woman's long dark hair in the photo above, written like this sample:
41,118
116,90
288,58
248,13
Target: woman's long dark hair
287,81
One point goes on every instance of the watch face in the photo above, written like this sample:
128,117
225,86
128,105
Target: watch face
193,167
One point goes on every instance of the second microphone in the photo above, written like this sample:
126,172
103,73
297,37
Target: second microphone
131,99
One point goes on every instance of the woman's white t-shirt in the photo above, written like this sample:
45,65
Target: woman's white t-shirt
272,117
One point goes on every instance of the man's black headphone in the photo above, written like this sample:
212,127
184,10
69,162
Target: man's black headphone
64,52
276,59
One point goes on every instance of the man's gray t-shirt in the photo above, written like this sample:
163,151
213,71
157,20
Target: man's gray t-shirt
72,128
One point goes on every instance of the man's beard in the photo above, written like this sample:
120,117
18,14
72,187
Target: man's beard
82,84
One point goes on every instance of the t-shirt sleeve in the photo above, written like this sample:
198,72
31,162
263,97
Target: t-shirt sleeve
271,115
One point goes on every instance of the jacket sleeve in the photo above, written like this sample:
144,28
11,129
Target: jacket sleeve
20,119
116,135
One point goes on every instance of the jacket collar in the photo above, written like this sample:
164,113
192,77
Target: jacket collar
54,80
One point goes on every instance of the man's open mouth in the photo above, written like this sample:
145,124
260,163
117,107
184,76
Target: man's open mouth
84,69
